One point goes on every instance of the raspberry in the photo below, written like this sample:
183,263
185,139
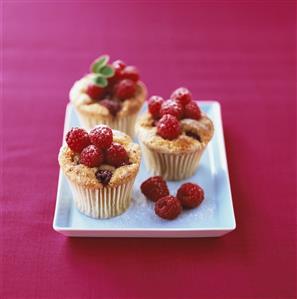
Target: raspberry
91,156
118,66
172,107
168,127
113,106
94,91
130,72
154,106
183,95
154,188
125,89
116,155
190,195
168,207
103,176
192,111
77,139
101,136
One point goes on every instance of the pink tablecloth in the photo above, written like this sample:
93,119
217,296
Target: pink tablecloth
240,54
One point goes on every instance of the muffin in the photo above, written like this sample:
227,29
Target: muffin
100,167
173,135
110,94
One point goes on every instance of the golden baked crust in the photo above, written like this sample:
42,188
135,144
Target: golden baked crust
85,105
147,134
85,176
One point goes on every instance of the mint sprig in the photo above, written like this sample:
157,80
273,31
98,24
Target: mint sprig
103,70
100,81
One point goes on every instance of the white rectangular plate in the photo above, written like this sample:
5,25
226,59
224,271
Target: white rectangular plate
213,218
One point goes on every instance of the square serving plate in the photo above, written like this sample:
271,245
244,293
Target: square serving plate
213,218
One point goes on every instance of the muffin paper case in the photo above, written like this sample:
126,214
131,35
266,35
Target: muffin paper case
104,202
172,167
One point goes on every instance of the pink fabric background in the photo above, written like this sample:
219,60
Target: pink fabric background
240,54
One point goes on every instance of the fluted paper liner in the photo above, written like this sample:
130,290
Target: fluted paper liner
172,167
104,202
125,124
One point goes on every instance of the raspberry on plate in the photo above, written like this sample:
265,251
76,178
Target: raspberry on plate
125,89
113,106
154,106
77,139
192,111
101,136
190,195
130,72
168,207
91,156
116,155
172,107
168,127
183,95
154,188
94,91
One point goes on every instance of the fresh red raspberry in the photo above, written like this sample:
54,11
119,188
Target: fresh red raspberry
116,155
77,139
130,72
192,111
190,195
94,91
154,106
101,136
125,89
154,188
172,107
168,127
118,66
183,95
168,207
91,156
113,106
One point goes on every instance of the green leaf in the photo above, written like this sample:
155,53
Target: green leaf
100,81
99,63
107,71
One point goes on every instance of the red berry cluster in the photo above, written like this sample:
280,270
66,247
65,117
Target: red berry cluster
120,87
97,147
188,196
168,113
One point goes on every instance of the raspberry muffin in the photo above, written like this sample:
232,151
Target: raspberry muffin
100,167
110,94
173,135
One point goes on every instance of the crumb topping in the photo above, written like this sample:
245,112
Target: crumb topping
86,105
86,176
203,128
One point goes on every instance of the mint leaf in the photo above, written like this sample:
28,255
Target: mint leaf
100,81
99,63
107,71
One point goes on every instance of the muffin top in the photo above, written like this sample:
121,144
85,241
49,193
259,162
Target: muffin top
95,162
176,125
195,134
109,90
85,104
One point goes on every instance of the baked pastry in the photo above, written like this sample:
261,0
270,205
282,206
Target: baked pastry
111,94
173,135
100,167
